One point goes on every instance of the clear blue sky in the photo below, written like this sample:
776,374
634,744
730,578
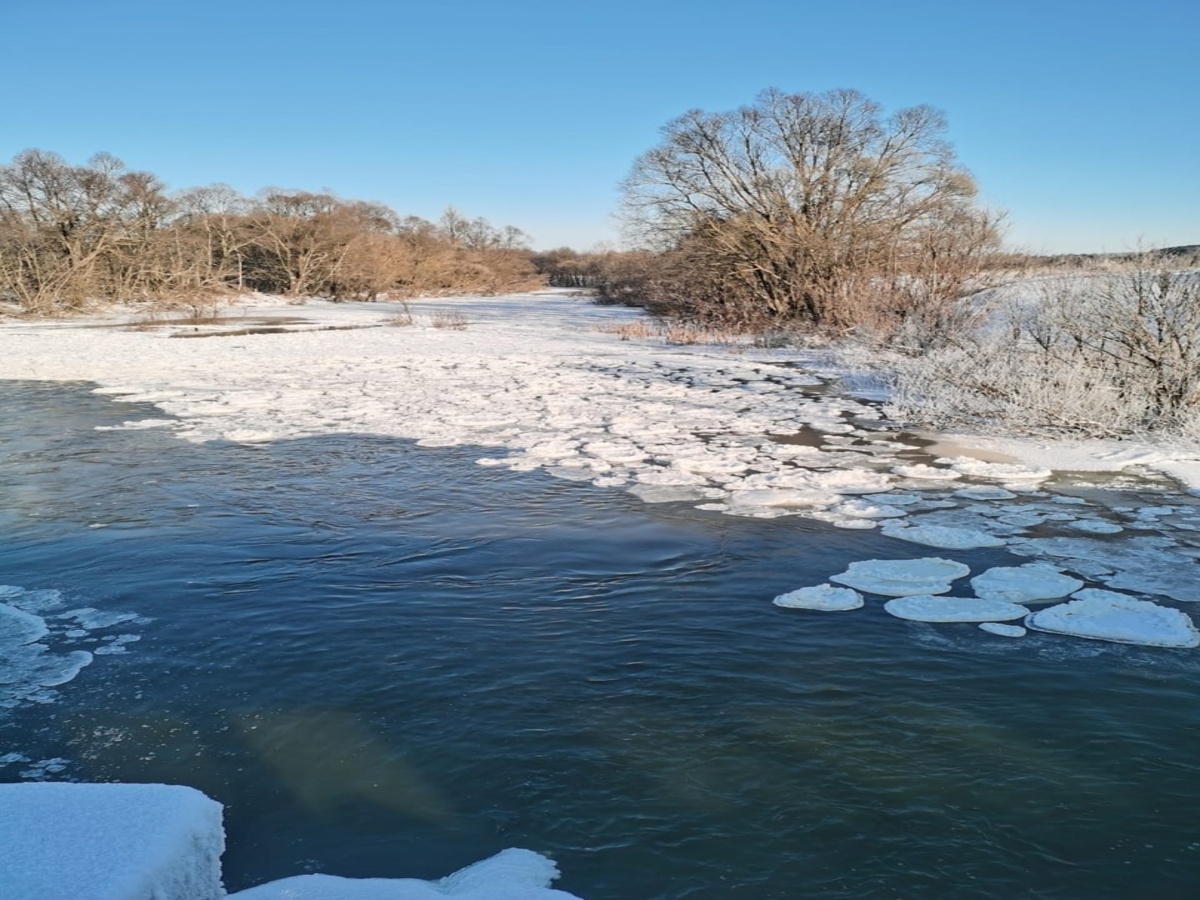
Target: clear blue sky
1081,119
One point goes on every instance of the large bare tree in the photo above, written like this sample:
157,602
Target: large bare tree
812,206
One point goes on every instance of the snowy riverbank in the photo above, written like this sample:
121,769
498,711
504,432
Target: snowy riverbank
548,383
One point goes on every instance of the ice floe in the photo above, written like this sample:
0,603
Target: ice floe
1029,583
927,608
902,577
1109,616
1007,472
944,537
824,597
923,472
31,658
998,628
1146,564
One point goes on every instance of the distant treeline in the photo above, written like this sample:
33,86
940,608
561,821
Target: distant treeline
74,236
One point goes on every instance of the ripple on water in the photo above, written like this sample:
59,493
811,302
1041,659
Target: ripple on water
373,652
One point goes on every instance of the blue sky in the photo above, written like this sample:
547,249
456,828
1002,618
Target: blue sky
1081,119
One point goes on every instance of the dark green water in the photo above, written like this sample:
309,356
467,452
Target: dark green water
390,661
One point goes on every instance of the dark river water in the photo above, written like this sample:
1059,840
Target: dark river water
388,661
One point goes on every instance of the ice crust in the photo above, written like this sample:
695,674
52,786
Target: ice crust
941,536
1002,630
109,842
902,577
1109,616
823,597
926,608
1024,584
31,660
63,841
512,874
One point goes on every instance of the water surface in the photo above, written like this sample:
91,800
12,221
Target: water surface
386,660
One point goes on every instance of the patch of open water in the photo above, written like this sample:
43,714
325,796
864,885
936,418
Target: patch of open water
389,661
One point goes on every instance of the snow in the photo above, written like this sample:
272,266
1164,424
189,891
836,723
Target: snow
927,608
942,536
540,382
1109,616
823,597
512,874
62,841
902,577
1024,584
109,842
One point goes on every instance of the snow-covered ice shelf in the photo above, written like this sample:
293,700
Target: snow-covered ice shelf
62,841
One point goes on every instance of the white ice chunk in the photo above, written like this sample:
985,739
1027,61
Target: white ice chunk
851,481
512,874
941,536
902,577
926,608
1012,631
1145,564
923,472
977,468
865,509
823,597
783,498
1097,526
1109,616
985,493
89,617
19,627
109,842
1024,584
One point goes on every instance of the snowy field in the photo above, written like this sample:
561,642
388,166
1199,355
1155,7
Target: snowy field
544,381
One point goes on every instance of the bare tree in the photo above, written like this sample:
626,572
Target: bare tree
802,205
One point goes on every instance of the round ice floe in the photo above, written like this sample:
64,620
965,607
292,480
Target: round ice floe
19,627
1097,526
1012,631
823,597
941,536
865,509
985,493
977,468
616,452
902,577
1024,584
851,481
1109,616
924,472
782,498
925,608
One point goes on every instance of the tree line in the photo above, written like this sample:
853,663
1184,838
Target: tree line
72,236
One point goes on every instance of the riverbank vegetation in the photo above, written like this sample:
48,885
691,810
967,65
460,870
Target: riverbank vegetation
796,218
74,237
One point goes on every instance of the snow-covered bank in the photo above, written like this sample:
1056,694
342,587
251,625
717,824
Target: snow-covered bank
547,381
142,841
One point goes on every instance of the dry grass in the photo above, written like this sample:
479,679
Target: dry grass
453,320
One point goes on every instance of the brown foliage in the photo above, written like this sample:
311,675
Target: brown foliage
810,207
73,236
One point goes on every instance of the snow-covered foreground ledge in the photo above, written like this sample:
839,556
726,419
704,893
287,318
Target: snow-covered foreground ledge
164,842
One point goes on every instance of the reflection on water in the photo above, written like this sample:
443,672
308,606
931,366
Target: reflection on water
390,661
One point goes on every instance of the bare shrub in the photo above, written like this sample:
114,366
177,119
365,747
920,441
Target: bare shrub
451,319
402,318
1102,355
